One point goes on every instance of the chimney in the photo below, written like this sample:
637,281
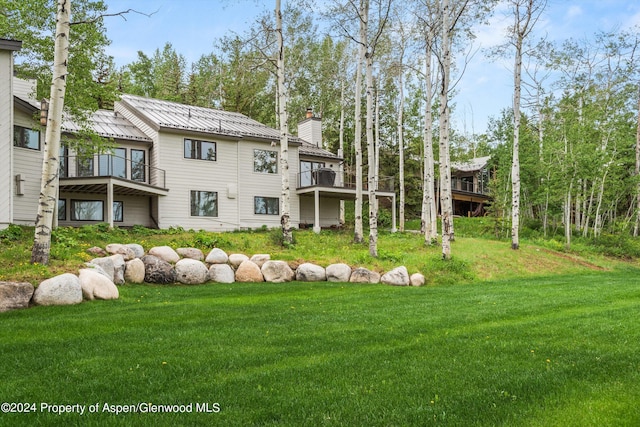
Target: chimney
310,129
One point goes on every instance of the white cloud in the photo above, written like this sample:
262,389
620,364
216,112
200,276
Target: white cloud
574,11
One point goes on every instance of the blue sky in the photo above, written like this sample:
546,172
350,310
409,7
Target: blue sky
192,26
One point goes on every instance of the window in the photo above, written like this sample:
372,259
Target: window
62,210
204,203
265,161
118,211
307,177
138,172
85,162
203,150
64,162
266,205
87,210
26,138
113,164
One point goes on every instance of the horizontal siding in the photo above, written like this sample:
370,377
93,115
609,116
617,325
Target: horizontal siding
135,210
6,137
28,164
329,211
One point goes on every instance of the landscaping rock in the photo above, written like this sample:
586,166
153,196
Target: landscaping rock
338,273
96,286
59,290
165,253
308,272
249,271
134,271
221,273
99,269
118,249
96,251
217,256
416,279
399,276
158,270
14,295
191,272
118,269
236,259
137,249
277,272
106,264
192,253
363,275
260,259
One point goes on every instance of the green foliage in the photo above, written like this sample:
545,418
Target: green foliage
12,233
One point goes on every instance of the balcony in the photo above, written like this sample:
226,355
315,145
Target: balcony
328,179
468,186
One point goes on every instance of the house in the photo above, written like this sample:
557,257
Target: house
470,186
171,165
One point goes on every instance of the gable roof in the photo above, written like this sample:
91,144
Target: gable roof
109,124
162,114
471,165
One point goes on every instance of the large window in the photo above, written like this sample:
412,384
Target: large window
138,165
26,138
266,205
265,161
204,203
202,150
87,210
118,211
62,210
84,162
63,164
113,164
307,177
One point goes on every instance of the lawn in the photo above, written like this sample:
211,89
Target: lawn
561,350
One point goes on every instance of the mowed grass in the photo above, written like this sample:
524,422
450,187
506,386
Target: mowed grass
546,351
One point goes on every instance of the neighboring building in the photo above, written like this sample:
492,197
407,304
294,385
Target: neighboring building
172,165
470,186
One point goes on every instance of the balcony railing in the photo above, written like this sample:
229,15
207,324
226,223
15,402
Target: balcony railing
467,186
109,165
325,177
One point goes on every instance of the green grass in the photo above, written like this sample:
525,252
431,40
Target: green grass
555,351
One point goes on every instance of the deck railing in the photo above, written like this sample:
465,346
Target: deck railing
109,165
328,178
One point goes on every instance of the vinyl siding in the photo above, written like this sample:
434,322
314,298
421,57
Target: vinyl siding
329,211
28,164
6,137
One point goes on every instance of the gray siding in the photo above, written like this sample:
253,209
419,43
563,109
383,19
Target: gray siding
27,164
6,137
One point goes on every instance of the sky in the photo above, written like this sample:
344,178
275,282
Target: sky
485,89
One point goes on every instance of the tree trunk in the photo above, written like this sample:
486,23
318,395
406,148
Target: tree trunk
48,200
401,143
637,172
358,236
285,198
341,151
515,165
371,149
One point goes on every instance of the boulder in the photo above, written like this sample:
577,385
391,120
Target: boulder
15,295
165,253
236,259
277,272
96,251
137,249
106,264
221,273
192,253
191,271
260,259
118,249
59,290
118,269
249,271
96,286
134,271
363,275
338,273
216,256
308,272
99,269
416,279
158,270
399,276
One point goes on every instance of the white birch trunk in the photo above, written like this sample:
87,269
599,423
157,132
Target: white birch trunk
285,197
430,216
401,143
371,149
48,200
341,151
358,236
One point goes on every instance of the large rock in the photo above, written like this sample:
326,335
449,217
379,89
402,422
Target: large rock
99,269
96,286
416,279
134,271
221,273
118,269
15,295
165,253
260,259
308,272
96,251
59,290
277,272
191,271
158,270
217,256
193,253
236,259
338,273
137,249
118,249
106,264
363,275
399,276
249,271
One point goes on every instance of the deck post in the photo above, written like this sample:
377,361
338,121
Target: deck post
316,208
110,203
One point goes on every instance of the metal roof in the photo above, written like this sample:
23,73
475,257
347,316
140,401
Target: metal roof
308,149
172,115
471,165
109,124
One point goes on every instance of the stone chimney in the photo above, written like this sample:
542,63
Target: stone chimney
310,129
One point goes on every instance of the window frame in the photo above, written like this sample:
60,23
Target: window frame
266,205
135,163
73,210
62,209
20,134
274,169
199,212
196,149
